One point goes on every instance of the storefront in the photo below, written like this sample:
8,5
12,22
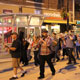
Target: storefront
30,24
55,22
76,28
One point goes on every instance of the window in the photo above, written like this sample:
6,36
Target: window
38,0
35,1
60,4
77,7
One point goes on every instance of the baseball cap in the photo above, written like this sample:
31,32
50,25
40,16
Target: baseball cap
44,31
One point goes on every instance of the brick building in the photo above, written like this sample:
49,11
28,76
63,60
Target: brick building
52,8
54,12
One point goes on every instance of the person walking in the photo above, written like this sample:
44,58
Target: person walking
15,53
78,47
24,45
70,48
24,52
36,51
53,47
63,45
29,39
45,54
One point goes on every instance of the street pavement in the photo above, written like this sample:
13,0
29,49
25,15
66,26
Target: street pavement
63,71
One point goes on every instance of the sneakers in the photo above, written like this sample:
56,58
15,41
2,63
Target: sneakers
57,60
23,74
41,77
69,63
13,78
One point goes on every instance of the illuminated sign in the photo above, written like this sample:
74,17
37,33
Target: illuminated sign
53,14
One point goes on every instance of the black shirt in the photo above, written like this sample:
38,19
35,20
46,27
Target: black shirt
17,45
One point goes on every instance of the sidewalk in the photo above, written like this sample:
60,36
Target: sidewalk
5,60
4,57
63,71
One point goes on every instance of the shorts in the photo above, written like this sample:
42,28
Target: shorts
15,62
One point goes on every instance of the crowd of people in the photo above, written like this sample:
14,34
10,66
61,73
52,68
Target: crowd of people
46,48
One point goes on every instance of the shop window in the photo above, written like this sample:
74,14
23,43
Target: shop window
32,31
60,4
22,21
7,34
7,20
77,7
35,21
55,29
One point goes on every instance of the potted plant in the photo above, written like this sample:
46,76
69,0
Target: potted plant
64,14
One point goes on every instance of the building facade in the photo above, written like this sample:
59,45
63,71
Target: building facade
77,16
54,13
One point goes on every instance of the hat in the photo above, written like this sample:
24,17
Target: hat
44,31
14,33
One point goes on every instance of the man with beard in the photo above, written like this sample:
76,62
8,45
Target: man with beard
45,53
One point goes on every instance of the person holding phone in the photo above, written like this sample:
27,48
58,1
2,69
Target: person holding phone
15,50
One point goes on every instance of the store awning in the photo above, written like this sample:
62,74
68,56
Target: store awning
54,21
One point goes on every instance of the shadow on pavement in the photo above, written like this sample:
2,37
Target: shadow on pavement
5,70
67,69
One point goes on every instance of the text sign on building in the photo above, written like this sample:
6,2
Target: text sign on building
53,16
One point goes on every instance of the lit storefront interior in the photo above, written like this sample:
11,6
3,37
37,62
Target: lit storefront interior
76,28
52,28
28,23
55,28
